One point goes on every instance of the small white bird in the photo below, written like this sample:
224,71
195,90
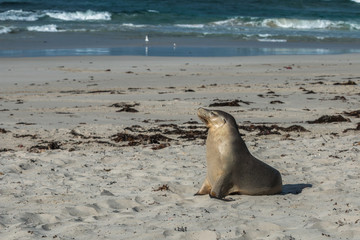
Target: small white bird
146,39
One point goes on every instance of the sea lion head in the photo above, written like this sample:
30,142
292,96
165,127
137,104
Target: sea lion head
215,119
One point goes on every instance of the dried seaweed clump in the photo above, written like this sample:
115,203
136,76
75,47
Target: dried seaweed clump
329,119
139,139
273,129
164,187
228,103
355,113
53,145
348,83
125,107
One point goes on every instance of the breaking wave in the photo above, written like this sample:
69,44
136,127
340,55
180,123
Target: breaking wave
32,16
190,25
301,24
20,15
80,16
309,24
131,25
5,30
156,21
44,28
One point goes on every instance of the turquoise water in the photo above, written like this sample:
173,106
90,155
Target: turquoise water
269,21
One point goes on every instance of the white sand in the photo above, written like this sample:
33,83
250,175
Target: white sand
89,186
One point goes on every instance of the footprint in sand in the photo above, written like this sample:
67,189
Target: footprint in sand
83,211
36,219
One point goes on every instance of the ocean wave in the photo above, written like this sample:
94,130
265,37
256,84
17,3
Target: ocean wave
299,23
131,25
152,11
313,24
5,30
357,1
238,21
89,15
271,40
288,23
20,15
190,25
32,16
44,28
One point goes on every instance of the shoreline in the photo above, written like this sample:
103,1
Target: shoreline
110,44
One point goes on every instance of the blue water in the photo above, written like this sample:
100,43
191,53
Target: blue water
271,21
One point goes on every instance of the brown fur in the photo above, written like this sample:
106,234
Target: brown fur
230,166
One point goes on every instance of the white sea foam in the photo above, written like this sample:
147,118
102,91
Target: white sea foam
131,25
5,30
238,21
309,24
190,25
264,35
20,15
287,23
225,22
357,1
271,40
298,23
354,26
268,38
44,28
80,16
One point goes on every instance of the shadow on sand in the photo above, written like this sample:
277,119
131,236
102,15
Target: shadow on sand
294,188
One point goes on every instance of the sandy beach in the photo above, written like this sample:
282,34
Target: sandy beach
110,147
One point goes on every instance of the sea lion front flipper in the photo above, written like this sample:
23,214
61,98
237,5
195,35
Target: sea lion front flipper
205,188
221,187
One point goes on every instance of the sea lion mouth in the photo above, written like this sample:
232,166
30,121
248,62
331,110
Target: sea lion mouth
204,120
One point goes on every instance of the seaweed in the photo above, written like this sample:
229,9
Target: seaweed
349,83
276,102
234,103
228,103
164,187
353,129
329,119
273,129
125,107
48,146
2,130
140,139
355,113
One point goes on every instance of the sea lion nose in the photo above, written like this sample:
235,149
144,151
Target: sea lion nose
201,111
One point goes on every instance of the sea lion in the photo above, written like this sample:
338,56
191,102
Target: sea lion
230,166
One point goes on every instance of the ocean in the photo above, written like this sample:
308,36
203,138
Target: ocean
178,27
